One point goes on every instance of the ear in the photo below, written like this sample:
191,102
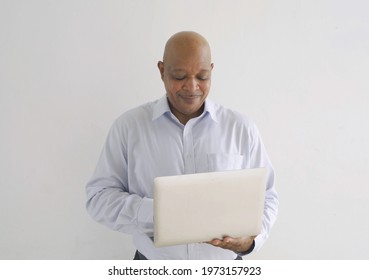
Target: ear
161,69
212,66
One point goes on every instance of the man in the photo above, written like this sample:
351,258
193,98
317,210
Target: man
181,133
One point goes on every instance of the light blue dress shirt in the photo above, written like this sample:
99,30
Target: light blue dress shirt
149,141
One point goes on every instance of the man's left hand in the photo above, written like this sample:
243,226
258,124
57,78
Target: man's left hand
237,245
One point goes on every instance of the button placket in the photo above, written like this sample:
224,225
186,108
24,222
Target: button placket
188,150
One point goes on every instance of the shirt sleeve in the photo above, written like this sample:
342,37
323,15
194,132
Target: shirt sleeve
108,199
259,158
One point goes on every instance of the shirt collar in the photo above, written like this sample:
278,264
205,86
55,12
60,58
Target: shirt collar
210,108
161,107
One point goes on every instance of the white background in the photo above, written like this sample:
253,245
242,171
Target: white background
68,68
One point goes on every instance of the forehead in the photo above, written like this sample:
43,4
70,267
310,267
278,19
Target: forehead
188,63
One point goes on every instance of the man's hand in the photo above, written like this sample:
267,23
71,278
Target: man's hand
237,245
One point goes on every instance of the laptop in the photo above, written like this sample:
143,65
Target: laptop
200,207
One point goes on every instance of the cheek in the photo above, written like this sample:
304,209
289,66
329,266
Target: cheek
205,87
173,86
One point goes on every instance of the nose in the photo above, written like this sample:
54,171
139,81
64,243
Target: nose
191,85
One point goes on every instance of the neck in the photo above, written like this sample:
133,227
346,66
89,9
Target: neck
184,118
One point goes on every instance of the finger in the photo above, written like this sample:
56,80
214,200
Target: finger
228,240
222,244
230,243
215,242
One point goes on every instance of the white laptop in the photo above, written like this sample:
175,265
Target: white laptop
203,206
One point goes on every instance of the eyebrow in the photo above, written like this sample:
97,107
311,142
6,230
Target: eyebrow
181,70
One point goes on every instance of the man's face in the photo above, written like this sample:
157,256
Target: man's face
187,80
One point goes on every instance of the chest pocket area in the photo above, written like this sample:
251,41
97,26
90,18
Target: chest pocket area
224,162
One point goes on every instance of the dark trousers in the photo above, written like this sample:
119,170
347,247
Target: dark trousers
139,256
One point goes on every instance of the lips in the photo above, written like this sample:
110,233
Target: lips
189,96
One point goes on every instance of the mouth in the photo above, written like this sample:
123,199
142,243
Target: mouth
189,96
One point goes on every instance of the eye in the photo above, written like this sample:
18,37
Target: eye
179,78
202,78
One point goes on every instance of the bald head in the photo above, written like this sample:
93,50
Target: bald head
184,44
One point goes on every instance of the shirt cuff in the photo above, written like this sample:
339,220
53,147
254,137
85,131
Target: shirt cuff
248,250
